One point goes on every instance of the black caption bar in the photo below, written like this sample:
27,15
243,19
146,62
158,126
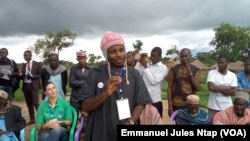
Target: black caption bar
163,132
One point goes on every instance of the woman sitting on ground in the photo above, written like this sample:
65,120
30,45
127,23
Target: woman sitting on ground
54,116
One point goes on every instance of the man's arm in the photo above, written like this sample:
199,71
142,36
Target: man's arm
170,81
225,90
195,83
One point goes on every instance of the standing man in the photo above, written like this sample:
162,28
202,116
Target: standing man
31,73
153,75
222,84
8,73
56,73
77,79
115,94
131,59
183,80
244,78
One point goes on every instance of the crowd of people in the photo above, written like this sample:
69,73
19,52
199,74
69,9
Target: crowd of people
117,92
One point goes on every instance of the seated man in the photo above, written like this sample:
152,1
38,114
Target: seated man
11,119
238,114
193,114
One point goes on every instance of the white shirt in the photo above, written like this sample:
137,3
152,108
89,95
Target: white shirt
216,100
153,77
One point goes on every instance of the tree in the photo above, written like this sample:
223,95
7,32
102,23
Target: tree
232,40
208,58
173,51
53,42
98,58
92,59
137,46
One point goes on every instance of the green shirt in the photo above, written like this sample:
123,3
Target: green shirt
61,111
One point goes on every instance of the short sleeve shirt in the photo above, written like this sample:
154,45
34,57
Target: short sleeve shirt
46,112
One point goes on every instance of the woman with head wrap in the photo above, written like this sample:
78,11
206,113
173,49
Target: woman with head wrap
193,114
110,86
238,114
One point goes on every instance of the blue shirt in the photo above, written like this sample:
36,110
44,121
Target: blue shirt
243,82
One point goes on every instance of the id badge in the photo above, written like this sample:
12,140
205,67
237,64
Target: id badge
123,108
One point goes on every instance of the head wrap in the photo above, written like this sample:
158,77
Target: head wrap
242,95
193,99
81,53
109,39
3,94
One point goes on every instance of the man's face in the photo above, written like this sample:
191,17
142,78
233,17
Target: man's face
130,59
27,56
3,53
53,61
239,106
193,109
185,56
116,55
247,66
222,64
155,58
82,60
2,102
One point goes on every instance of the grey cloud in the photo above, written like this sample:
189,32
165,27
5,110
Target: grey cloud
140,17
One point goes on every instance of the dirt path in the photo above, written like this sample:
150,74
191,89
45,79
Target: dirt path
28,128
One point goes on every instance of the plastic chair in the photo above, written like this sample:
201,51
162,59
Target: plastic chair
172,117
33,131
78,130
216,116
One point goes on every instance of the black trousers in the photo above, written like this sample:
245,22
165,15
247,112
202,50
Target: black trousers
31,99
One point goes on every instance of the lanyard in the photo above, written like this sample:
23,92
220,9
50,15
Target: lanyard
52,111
120,74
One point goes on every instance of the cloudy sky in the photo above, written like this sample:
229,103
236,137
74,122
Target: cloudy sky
185,23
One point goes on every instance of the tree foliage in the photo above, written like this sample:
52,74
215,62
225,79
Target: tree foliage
137,46
208,58
92,59
173,51
232,40
53,42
